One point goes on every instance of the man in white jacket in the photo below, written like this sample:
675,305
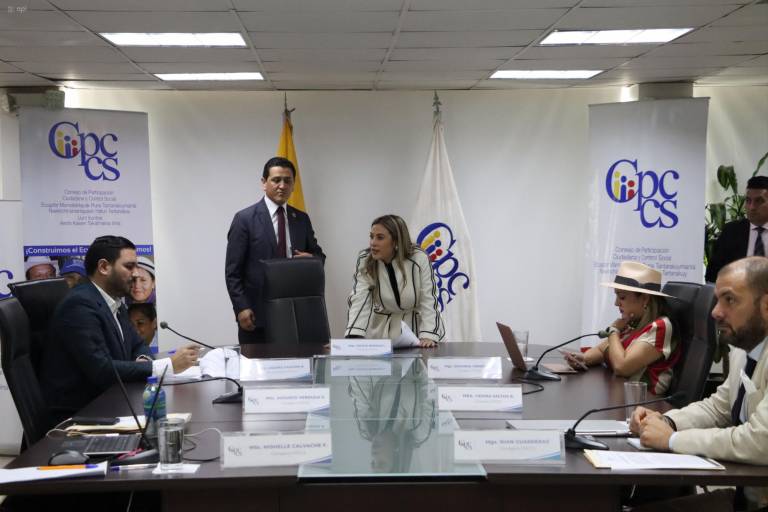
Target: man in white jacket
732,424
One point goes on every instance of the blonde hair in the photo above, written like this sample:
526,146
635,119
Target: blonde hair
401,238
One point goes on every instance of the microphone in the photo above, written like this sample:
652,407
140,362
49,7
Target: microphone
534,373
164,325
578,442
233,397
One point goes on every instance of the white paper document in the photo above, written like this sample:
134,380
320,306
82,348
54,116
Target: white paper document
41,473
648,460
406,338
591,427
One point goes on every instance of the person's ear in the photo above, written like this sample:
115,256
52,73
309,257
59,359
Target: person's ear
764,306
103,266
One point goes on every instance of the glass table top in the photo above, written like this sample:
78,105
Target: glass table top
384,422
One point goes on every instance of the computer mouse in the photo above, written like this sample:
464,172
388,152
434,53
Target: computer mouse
67,457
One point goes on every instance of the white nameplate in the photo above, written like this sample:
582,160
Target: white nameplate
464,368
240,450
361,367
276,400
480,398
275,369
359,347
515,446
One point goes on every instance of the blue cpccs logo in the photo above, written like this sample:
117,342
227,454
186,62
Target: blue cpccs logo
6,276
653,195
97,155
437,241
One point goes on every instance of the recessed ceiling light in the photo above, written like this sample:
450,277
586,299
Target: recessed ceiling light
175,39
209,76
641,36
540,74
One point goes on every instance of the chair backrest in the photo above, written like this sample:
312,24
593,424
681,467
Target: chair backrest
294,301
39,299
691,315
17,367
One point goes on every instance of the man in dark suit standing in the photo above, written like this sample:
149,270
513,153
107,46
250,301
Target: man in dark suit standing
91,326
266,230
744,237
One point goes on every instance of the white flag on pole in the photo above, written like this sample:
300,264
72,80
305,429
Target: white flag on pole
440,229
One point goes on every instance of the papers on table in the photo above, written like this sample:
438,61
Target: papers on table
46,473
606,428
406,338
635,443
124,424
603,459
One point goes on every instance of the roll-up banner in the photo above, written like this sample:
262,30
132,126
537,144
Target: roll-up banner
84,174
647,196
11,270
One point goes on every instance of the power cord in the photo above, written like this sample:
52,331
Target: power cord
538,387
194,444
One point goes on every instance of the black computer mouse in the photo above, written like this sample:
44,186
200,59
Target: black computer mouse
67,457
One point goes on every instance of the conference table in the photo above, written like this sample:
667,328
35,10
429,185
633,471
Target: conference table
575,485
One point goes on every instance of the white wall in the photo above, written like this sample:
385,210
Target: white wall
520,163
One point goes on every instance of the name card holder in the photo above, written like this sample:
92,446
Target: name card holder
523,447
360,347
480,398
280,399
276,369
360,367
244,449
464,368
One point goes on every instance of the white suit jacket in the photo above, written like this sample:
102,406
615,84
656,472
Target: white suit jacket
373,311
705,427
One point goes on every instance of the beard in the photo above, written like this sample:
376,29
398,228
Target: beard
119,287
746,337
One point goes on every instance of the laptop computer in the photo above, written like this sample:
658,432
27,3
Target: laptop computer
518,361
101,445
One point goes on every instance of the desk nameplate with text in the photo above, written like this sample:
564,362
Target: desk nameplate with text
242,450
464,367
361,367
275,369
360,347
544,447
480,398
285,399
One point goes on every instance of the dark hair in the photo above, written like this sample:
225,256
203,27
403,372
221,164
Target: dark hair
105,248
759,182
278,161
145,308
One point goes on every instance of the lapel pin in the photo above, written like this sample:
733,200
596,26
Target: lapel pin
293,214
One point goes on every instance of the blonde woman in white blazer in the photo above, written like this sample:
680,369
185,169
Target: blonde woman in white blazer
393,283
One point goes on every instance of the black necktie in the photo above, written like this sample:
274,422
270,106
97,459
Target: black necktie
281,249
759,249
749,369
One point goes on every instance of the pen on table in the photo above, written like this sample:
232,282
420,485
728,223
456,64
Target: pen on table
68,466
129,467
570,357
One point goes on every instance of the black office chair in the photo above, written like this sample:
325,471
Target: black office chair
294,301
690,314
39,299
19,374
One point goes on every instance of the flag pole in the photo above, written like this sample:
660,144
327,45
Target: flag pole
436,105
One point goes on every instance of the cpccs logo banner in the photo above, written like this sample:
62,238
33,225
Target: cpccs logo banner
653,195
438,242
95,153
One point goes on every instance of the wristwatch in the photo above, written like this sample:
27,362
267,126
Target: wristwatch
612,330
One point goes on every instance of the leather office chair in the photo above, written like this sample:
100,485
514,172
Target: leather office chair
294,301
690,313
17,367
39,299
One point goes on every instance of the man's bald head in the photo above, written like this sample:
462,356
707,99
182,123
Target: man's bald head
755,270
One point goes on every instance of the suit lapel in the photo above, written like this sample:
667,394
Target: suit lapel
262,217
109,320
293,228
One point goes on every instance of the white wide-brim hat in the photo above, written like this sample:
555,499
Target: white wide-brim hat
636,277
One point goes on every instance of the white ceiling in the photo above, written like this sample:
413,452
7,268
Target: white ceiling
379,44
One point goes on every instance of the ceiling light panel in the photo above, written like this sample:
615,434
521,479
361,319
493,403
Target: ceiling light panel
644,36
226,39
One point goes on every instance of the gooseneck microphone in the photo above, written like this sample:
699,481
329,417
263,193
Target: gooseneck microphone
578,442
534,373
164,325
232,397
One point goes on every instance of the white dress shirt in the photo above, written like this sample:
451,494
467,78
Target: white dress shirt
158,365
272,207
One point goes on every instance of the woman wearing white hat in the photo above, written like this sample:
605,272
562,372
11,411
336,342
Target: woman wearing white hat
640,344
